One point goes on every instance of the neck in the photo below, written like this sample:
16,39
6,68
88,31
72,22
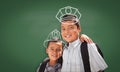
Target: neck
73,40
52,62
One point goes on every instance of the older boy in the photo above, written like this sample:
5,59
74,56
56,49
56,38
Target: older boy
72,58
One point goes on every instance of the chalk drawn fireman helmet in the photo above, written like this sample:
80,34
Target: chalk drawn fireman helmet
68,13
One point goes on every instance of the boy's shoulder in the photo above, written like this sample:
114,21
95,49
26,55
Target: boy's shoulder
46,59
43,64
93,47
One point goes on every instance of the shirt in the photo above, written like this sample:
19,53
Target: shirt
48,68
72,59
55,68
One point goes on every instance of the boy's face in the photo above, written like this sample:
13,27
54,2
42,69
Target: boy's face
54,50
69,31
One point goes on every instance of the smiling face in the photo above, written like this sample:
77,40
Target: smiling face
69,31
54,50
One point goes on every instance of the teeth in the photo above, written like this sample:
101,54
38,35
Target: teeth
67,36
53,55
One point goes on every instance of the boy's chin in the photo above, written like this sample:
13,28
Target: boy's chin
54,59
69,41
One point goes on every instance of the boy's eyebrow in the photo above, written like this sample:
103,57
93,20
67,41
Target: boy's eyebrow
71,25
68,25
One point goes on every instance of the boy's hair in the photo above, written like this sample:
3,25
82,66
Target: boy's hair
55,40
70,17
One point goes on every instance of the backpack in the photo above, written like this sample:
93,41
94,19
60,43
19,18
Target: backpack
85,56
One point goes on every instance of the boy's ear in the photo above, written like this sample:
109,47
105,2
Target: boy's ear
79,29
46,50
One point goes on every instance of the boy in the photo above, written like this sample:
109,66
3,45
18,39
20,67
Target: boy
54,51
72,58
78,56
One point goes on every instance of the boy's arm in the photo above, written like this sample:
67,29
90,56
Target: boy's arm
96,60
84,37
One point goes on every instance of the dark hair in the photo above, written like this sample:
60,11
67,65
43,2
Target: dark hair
70,17
55,42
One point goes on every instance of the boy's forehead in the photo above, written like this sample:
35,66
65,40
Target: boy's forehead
68,23
56,43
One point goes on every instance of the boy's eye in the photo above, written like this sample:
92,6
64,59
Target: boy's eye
71,27
63,29
51,48
58,50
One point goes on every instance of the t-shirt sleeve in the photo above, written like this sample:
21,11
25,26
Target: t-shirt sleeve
97,62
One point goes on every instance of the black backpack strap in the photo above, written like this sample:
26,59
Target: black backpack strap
85,57
99,50
60,60
43,65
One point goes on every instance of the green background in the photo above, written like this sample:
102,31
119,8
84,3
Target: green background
25,24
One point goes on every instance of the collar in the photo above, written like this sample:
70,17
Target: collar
75,43
55,67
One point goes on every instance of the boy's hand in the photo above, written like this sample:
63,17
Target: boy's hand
84,37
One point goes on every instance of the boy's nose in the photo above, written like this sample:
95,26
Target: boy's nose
66,31
55,51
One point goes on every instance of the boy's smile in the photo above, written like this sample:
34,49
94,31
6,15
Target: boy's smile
69,31
54,50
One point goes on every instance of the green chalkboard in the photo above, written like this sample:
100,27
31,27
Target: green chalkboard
25,24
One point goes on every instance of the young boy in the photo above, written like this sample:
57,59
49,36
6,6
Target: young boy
72,58
54,51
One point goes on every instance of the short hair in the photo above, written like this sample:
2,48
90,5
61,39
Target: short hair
55,40
71,17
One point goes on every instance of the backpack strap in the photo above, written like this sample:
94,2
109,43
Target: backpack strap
85,56
60,60
43,65
99,50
